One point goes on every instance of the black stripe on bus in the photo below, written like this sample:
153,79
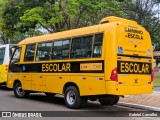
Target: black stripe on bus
125,55
129,67
59,67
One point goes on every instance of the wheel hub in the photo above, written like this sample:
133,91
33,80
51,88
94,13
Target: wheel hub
71,97
20,91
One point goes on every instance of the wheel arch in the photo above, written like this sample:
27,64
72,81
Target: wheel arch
70,84
16,81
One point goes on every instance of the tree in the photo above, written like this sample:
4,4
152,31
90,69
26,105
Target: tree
18,17
10,12
69,14
142,11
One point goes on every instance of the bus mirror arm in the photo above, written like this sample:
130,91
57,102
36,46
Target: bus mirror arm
14,47
16,63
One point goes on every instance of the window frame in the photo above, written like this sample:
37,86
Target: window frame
70,39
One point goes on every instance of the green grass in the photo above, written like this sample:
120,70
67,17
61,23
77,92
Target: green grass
156,81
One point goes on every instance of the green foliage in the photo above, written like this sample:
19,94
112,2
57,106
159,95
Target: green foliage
156,81
53,15
143,12
69,14
10,13
30,17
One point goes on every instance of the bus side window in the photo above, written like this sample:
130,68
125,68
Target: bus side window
81,47
97,49
65,49
57,50
61,49
44,51
2,53
86,46
76,48
29,54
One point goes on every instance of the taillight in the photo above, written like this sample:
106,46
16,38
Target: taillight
114,75
6,67
152,75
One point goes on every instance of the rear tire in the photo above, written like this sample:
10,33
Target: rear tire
72,98
19,92
109,100
116,100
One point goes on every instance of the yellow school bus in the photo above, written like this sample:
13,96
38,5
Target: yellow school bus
5,54
104,62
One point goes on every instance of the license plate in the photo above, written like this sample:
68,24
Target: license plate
127,67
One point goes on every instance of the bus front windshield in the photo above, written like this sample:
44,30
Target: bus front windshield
16,56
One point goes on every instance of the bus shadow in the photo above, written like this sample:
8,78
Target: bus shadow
47,99
91,106
59,100
4,88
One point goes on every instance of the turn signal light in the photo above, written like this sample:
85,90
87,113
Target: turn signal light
6,67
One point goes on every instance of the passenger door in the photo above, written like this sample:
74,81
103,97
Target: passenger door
27,70
38,78
14,68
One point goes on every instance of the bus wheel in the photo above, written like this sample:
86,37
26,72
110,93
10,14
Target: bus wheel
72,98
50,94
116,100
19,92
111,100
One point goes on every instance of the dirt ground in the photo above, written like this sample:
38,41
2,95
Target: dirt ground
146,99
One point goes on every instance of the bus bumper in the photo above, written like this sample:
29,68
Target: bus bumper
114,88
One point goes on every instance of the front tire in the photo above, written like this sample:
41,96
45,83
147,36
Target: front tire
116,100
72,98
19,92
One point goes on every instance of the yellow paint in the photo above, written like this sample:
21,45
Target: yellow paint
3,73
127,34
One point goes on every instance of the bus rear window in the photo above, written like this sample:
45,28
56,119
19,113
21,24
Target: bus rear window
2,53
